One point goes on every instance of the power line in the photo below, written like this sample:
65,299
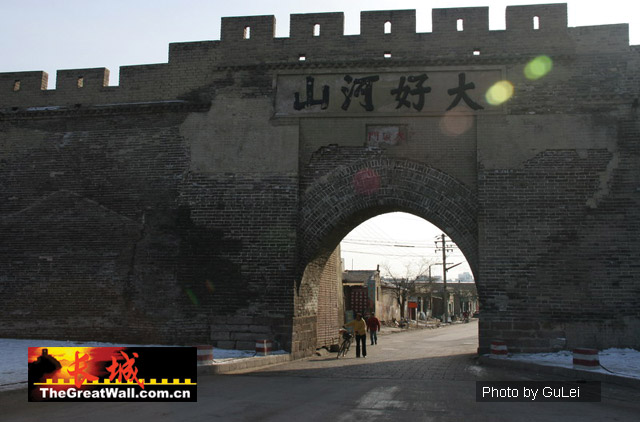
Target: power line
374,242
386,244
383,254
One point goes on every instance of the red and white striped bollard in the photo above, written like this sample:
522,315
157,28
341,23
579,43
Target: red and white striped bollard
586,359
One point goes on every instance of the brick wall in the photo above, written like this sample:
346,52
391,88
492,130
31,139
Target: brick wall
113,238
556,255
330,302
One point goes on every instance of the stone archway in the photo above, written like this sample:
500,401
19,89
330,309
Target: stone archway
349,195
339,201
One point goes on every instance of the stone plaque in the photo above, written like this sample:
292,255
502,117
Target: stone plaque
413,92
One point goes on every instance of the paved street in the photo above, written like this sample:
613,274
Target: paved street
424,375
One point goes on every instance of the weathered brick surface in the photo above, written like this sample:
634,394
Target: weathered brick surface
562,250
335,204
330,305
180,207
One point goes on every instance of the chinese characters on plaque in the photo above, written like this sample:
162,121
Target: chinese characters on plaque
411,86
411,92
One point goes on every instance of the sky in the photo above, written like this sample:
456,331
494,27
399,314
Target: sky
71,34
49,35
402,244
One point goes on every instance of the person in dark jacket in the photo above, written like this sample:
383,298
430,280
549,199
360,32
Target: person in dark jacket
373,326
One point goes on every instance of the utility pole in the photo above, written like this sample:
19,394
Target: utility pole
445,294
431,288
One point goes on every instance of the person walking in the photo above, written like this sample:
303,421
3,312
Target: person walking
373,325
360,330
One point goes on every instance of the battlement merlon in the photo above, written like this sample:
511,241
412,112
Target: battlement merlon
330,26
90,79
402,23
473,19
551,17
256,28
20,81
249,41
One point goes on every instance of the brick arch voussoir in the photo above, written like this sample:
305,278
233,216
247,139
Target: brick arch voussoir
333,205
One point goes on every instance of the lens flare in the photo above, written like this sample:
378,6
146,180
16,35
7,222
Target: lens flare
366,182
538,67
455,123
499,93
209,285
192,296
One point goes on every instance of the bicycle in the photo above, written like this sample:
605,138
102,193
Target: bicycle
346,343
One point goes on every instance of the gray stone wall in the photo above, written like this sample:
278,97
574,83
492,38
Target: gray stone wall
330,302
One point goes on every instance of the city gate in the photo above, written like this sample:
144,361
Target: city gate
202,200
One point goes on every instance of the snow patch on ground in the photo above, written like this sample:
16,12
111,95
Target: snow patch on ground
620,362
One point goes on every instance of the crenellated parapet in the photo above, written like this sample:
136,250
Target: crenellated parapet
460,36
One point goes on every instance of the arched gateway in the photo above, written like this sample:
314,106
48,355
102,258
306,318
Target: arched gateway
350,194
202,199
